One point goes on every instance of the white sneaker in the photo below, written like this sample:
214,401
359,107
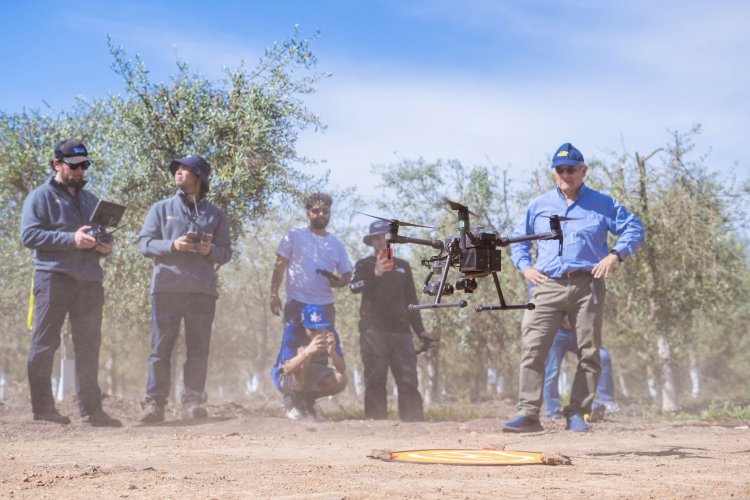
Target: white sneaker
295,413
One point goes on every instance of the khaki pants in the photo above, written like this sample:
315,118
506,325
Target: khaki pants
582,298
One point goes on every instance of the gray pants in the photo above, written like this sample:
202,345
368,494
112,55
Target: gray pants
582,298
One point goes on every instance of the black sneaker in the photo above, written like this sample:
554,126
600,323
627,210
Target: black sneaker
192,412
101,419
152,413
52,416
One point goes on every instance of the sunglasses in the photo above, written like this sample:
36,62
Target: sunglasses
566,170
320,211
75,166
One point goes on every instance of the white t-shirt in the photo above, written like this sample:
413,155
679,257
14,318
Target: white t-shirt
307,252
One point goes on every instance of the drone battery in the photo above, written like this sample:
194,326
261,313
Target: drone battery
480,260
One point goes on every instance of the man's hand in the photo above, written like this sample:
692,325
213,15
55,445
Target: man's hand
604,266
427,339
383,264
318,344
83,240
535,277
104,248
330,342
183,244
204,247
425,335
340,281
275,304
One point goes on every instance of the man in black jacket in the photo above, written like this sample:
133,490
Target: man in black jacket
387,288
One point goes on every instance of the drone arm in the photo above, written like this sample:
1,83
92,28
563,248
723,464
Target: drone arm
391,238
550,235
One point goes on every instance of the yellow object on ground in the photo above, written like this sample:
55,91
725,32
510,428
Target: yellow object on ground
487,456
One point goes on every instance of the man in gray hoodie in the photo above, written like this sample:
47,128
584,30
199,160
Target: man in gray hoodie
55,223
188,238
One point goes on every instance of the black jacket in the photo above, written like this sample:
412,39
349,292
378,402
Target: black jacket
385,299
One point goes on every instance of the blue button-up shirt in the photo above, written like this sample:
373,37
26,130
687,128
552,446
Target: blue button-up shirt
584,239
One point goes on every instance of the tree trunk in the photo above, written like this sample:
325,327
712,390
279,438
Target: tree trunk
111,367
695,379
432,392
668,391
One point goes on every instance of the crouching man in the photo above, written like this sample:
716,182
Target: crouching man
302,372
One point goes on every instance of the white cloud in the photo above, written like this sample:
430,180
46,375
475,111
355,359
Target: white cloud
512,125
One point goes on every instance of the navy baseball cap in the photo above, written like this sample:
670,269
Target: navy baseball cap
567,154
71,151
197,165
314,317
376,228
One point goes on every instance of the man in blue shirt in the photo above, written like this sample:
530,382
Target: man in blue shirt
55,223
569,284
302,372
188,239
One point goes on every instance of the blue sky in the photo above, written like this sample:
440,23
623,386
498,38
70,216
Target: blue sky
502,82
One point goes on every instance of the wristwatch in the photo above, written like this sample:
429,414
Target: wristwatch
615,252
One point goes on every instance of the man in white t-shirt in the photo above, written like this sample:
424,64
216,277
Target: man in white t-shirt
314,262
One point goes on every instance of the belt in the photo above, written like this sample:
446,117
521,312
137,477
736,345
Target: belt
575,274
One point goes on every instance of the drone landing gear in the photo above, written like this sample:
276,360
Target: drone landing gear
418,307
503,306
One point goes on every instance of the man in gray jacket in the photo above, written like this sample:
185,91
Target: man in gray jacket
188,238
67,282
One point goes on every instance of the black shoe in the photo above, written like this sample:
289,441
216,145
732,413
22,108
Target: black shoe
152,413
101,419
192,412
52,416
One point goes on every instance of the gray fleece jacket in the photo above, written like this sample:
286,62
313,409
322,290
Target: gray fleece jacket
49,220
184,272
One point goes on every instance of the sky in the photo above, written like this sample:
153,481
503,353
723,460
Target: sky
485,82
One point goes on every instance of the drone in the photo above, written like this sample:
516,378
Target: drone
475,255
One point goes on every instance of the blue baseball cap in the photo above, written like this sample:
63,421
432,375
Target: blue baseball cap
567,154
314,317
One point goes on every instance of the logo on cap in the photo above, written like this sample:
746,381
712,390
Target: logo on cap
314,317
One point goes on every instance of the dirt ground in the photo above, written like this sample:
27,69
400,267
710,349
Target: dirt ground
248,451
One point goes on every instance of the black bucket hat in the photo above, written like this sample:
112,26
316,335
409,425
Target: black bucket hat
376,228
197,165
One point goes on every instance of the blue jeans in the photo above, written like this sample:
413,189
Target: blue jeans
167,312
565,341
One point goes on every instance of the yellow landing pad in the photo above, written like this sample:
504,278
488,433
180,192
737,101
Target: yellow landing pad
486,456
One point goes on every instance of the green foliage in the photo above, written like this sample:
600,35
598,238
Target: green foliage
722,411
246,126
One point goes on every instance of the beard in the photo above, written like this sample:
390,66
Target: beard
319,223
71,181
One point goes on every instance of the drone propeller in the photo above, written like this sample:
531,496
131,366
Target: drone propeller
457,206
560,217
396,221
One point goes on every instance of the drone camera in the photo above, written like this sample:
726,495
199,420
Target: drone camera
432,289
467,285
